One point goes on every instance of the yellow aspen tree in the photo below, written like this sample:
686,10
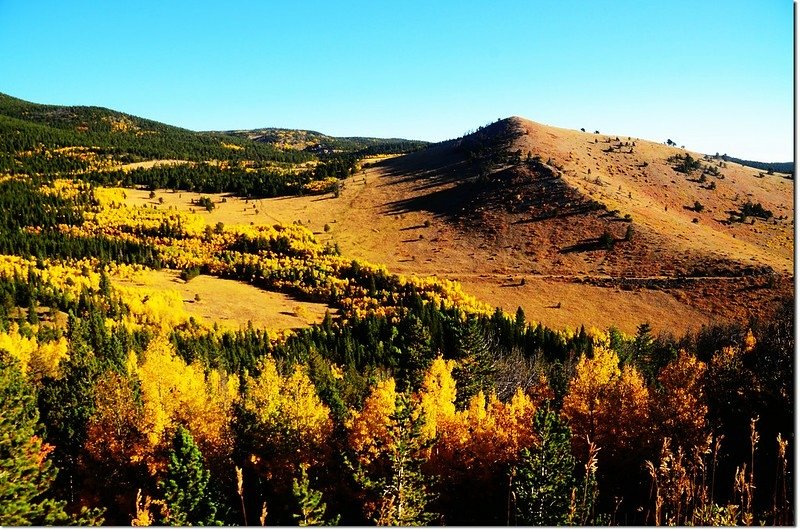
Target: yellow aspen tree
437,397
607,405
368,429
679,409
175,393
287,423
114,430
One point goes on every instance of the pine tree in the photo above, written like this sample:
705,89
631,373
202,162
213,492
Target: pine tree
403,496
475,368
25,473
186,491
543,480
309,500
520,323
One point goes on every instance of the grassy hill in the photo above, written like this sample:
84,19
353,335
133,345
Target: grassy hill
24,126
574,227
110,147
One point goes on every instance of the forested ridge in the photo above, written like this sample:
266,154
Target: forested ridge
410,403
97,144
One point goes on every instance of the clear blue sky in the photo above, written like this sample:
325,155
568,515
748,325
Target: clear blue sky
715,76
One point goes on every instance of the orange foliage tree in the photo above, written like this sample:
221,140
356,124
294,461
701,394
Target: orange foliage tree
679,407
607,405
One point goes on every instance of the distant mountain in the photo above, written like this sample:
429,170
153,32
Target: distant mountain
317,142
778,167
26,126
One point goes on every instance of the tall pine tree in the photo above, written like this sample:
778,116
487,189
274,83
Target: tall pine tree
543,481
26,474
185,489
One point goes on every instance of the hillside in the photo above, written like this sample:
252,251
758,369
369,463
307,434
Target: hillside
112,148
249,350
317,142
517,213
24,126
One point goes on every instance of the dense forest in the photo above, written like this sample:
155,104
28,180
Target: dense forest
416,404
98,145
410,403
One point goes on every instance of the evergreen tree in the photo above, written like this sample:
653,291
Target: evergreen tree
186,491
476,368
543,481
520,323
403,496
312,509
25,473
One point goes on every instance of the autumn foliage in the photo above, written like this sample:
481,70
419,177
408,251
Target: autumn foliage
413,404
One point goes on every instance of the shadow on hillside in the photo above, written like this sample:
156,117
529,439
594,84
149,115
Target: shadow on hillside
587,245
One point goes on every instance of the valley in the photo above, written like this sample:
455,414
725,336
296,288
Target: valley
280,311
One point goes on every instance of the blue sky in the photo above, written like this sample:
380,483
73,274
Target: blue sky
714,76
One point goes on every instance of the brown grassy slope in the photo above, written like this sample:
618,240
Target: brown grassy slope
429,213
549,212
230,303
656,195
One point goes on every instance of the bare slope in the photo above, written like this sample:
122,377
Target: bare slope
520,230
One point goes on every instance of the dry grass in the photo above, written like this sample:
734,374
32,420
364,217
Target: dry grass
392,214
232,304
645,192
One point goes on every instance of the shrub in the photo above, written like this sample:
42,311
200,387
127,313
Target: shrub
189,274
606,240
629,233
206,203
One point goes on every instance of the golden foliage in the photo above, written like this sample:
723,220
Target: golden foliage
175,393
679,410
606,404
291,424
36,359
368,430
114,430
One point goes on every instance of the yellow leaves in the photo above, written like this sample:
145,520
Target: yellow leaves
680,409
749,341
36,359
593,378
288,404
69,277
46,359
20,347
486,435
437,396
113,432
606,404
125,430
176,393
368,430
233,147
289,425
325,185
158,309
